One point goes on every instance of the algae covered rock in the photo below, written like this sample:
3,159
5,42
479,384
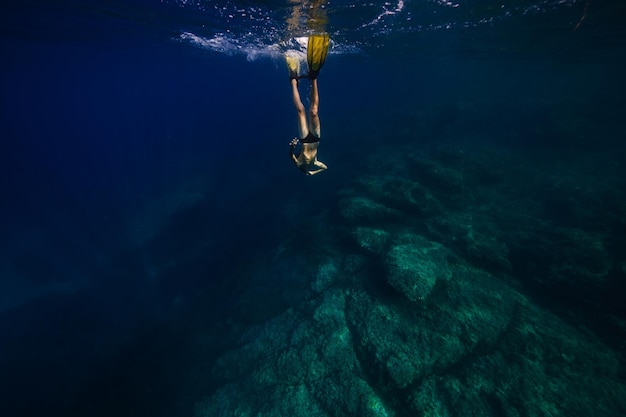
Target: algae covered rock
326,274
472,236
405,195
403,343
476,347
363,210
416,315
371,239
437,176
299,364
413,269
540,366
572,261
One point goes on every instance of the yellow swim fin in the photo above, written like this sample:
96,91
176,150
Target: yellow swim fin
293,63
316,51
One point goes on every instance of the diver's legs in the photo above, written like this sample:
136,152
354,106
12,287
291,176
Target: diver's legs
315,102
302,126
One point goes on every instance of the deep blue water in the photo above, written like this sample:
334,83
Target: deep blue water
144,168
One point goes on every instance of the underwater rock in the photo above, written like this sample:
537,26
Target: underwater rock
444,334
488,252
406,343
414,269
541,366
581,259
400,193
477,347
480,165
325,276
472,237
437,177
299,364
571,260
362,210
371,239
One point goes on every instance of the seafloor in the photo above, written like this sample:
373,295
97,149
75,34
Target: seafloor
458,280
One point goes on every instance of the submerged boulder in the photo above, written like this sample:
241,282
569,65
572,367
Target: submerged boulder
472,236
404,342
413,269
363,210
371,239
445,334
300,364
540,366
572,261
326,275
477,347
403,194
436,176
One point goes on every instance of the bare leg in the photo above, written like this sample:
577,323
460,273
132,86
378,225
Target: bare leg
315,102
302,125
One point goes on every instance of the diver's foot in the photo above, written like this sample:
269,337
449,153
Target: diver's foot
293,63
313,75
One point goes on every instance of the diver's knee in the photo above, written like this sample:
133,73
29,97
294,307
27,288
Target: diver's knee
300,109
